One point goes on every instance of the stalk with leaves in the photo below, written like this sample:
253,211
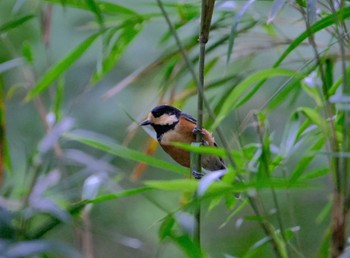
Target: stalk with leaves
279,110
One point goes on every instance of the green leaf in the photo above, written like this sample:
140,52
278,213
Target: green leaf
95,8
325,245
166,227
236,96
316,27
56,70
315,117
316,173
128,33
255,249
290,134
314,93
325,212
124,152
27,52
191,249
337,83
235,24
15,23
209,150
121,194
104,7
307,158
244,203
58,99
185,185
219,187
287,89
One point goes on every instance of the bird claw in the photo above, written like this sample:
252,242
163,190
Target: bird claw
196,130
197,175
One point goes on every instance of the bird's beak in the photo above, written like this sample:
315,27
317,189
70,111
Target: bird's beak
146,122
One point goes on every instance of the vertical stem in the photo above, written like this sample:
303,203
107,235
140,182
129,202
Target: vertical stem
206,15
2,134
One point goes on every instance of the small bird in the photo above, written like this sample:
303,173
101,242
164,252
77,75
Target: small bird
173,125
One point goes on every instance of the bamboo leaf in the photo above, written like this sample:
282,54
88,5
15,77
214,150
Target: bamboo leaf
289,137
338,83
235,24
209,150
240,91
15,23
104,7
173,185
316,27
166,227
27,52
128,33
315,117
275,9
34,248
95,8
209,179
306,160
288,88
124,152
10,64
316,173
191,249
311,10
219,187
56,70
121,194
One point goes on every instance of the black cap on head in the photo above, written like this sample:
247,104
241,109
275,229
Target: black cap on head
165,109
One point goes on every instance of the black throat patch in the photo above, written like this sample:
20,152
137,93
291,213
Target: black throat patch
161,129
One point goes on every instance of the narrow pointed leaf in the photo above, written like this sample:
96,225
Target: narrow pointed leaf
56,70
126,153
233,33
315,117
233,99
121,194
15,23
275,9
311,11
95,8
208,179
126,36
316,27
104,7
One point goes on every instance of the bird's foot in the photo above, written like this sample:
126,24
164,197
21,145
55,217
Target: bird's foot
197,175
196,131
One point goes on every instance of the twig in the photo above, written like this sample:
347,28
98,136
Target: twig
2,134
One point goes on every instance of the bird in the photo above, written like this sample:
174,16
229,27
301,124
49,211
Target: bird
172,125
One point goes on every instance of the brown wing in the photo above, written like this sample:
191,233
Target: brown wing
189,118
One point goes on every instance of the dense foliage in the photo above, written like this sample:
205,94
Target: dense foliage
80,178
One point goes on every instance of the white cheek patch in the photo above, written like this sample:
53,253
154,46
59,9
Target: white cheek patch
165,119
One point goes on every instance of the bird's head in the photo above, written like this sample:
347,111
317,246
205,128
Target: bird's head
162,116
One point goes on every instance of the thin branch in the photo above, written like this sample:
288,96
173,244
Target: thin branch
2,134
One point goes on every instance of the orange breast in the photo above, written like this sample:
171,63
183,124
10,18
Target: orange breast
183,132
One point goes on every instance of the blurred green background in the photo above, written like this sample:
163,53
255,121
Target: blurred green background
129,227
